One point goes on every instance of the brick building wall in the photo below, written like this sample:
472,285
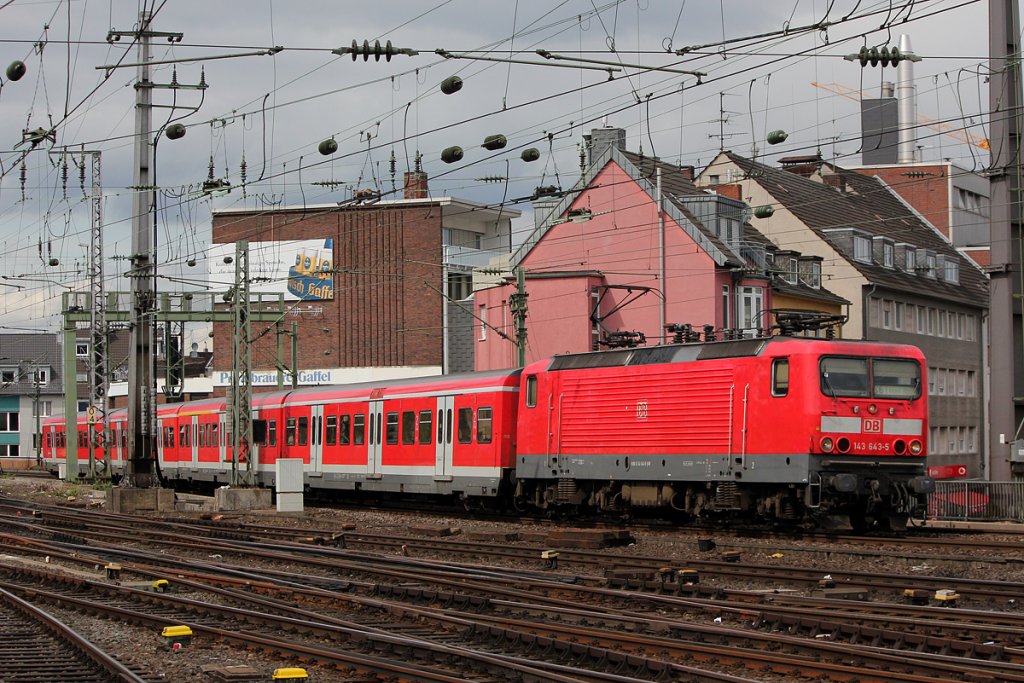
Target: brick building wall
386,309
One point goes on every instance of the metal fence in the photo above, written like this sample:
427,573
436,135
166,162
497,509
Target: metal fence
979,501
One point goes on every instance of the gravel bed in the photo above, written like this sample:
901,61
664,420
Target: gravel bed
145,648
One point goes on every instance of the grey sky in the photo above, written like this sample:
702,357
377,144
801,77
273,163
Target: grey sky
286,104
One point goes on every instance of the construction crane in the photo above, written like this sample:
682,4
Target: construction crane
927,121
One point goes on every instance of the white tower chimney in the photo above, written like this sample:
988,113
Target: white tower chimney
906,96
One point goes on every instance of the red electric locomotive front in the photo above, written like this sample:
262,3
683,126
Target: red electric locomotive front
788,428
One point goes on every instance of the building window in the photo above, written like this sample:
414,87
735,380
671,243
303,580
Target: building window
483,322
725,307
898,316
82,349
952,273
8,422
42,408
8,376
814,275
749,302
862,249
970,201
911,261
888,255
41,376
460,285
931,262
887,314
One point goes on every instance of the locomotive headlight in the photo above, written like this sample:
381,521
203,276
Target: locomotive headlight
872,408
827,444
915,447
856,409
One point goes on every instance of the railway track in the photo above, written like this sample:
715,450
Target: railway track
672,626
37,648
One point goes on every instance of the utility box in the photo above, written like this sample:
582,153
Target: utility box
289,484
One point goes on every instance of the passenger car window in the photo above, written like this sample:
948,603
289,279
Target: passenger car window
408,427
303,431
359,429
344,427
465,425
392,429
426,425
484,418
331,438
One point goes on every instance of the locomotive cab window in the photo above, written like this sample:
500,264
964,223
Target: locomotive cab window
884,378
897,379
780,377
531,391
844,377
465,425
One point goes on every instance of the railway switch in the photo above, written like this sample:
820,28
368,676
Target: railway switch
292,673
177,637
689,577
947,597
550,558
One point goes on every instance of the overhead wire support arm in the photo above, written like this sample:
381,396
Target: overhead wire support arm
183,60
461,55
551,55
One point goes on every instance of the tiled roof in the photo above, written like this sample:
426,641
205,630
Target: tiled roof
867,204
673,185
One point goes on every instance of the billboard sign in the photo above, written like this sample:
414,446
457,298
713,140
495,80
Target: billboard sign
299,269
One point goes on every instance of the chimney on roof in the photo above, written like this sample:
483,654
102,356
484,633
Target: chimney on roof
906,94
602,138
687,172
732,191
415,185
804,164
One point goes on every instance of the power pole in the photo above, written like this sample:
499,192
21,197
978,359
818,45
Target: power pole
141,384
39,433
1006,340
241,372
517,306
99,381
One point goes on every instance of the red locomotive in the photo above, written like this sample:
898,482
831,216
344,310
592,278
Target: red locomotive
781,428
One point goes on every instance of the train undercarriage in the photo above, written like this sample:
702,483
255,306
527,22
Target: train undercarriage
828,504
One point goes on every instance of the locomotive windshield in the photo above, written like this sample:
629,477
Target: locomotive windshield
885,378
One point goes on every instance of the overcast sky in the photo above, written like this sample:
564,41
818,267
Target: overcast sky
274,110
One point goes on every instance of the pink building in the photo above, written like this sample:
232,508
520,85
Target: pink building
606,267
